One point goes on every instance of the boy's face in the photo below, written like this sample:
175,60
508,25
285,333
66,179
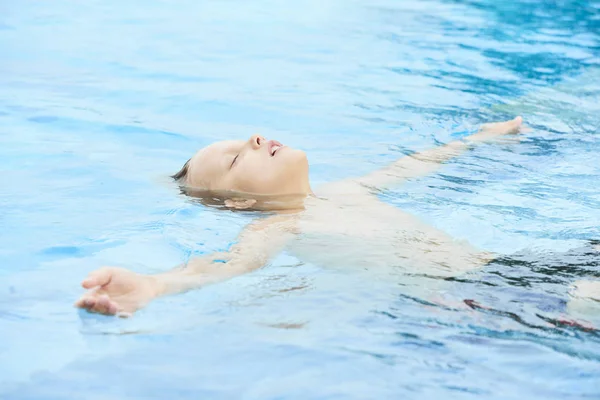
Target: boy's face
256,166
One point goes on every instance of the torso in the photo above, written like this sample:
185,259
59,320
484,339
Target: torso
348,226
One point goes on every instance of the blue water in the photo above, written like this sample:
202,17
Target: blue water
100,101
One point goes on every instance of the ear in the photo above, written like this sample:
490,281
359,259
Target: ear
240,204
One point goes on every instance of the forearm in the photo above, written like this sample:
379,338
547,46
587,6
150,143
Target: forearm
417,164
254,249
429,161
203,271
114,290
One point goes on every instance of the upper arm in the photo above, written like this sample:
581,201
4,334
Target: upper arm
400,171
415,165
429,161
258,243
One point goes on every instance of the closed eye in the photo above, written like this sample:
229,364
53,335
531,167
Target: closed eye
233,162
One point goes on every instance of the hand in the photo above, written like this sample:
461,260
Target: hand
497,129
117,291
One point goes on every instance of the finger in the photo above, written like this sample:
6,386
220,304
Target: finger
79,303
86,302
518,120
513,126
99,277
102,305
517,125
110,305
105,306
112,308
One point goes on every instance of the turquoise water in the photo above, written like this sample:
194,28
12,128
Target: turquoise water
100,101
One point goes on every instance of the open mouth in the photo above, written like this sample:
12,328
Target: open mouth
274,146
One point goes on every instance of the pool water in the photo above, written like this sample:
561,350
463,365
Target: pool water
101,101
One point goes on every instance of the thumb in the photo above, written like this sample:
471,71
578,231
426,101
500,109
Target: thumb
99,277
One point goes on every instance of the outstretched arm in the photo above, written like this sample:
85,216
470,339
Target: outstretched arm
429,161
120,291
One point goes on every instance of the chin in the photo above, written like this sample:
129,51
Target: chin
296,155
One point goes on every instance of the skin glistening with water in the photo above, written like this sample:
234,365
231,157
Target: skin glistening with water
263,174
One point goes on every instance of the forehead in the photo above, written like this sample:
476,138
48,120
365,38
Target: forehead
218,150
223,146
209,163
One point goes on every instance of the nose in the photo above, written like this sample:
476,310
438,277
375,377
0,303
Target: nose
256,141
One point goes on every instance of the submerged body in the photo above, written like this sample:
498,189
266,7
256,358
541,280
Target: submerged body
366,232
343,224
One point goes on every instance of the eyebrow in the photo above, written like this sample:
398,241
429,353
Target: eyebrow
182,172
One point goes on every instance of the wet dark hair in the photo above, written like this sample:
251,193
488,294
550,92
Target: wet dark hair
182,172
